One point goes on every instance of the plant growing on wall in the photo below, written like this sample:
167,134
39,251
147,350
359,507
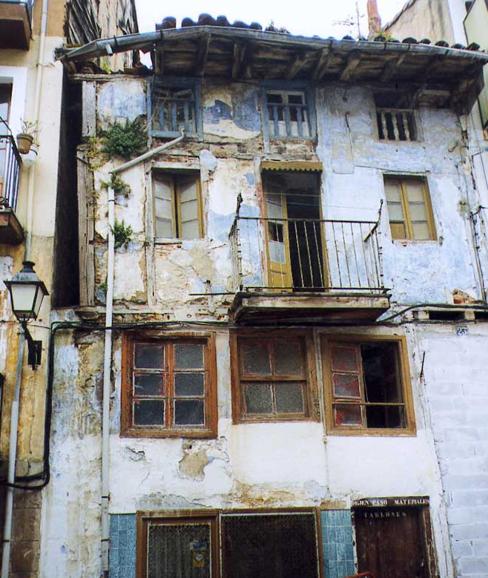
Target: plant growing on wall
125,139
122,234
119,186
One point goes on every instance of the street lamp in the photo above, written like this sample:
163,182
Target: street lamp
26,294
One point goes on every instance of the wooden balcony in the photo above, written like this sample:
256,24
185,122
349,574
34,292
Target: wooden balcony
306,271
15,23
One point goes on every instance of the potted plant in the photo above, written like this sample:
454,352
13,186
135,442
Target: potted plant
26,137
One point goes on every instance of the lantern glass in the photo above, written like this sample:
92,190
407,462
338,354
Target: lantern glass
25,300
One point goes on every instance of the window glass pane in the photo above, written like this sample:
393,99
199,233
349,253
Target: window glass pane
164,229
149,356
297,98
346,385
148,384
274,98
189,412
189,211
421,231
179,550
188,356
190,230
288,357
418,212
149,412
398,230
189,384
187,189
393,190
347,415
345,358
395,211
415,190
258,397
289,397
255,358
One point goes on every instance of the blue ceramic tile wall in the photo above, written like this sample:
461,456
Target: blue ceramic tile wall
337,543
122,546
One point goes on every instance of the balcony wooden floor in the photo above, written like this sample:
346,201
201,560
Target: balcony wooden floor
11,232
15,28
326,307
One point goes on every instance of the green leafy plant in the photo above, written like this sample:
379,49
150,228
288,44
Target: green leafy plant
122,234
125,139
119,186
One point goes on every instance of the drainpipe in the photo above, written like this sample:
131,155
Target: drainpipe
12,459
15,409
107,360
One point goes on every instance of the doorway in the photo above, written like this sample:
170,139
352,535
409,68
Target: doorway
394,542
294,231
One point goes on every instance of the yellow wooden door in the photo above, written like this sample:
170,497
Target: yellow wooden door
277,239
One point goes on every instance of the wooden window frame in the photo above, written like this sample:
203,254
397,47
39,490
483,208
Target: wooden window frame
288,87
175,203
127,428
402,179
311,403
406,387
144,518
175,83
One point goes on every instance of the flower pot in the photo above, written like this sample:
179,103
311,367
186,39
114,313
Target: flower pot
24,142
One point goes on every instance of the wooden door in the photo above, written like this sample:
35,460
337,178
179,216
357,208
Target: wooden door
277,238
393,542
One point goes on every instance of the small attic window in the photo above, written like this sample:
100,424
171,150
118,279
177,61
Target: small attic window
175,107
395,116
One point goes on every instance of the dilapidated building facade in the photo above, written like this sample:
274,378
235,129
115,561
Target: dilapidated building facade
280,289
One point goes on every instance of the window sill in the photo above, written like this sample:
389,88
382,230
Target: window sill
261,420
407,242
386,432
177,242
144,433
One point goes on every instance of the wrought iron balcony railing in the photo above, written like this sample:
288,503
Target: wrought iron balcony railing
306,255
10,164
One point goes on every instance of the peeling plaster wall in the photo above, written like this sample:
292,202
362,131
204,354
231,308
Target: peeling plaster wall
246,466
249,465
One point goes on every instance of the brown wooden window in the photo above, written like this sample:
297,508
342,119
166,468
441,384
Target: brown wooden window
169,387
273,377
367,385
253,544
409,208
177,206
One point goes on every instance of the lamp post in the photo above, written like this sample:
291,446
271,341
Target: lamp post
26,294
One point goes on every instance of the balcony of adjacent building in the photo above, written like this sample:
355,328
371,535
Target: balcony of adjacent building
291,265
15,23
11,232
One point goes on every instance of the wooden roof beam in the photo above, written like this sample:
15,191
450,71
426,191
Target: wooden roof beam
353,61
323,62
243,53
295,66
202,55
391,66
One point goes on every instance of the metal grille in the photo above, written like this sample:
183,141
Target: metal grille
307,254
10,163
179,550
270,545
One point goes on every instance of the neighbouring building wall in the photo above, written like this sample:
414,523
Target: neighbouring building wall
457,400
424,19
